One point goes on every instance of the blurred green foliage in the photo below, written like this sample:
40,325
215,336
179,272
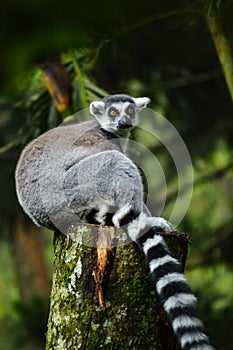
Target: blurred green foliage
161,49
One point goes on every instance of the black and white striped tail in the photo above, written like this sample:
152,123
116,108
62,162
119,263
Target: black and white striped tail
170,282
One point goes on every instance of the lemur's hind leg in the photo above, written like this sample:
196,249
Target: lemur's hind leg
107,181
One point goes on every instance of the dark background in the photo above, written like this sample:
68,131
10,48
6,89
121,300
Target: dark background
160,49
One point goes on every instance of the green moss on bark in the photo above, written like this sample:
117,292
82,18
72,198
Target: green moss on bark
132,318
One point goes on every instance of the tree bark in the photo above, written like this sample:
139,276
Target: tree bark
110,304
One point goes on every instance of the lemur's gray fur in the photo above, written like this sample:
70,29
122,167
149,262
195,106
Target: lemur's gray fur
76,169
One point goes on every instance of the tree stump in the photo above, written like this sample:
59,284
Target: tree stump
103,298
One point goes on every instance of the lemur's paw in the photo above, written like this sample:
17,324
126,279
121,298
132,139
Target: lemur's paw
100,217
143,223
165,225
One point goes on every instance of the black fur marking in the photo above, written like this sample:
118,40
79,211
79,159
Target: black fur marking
89,216
108,135
186,311
129,217
108,100
149,234
156,252
164,269
174,288
125,123
186,329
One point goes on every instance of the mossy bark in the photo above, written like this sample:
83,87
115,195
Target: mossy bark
132,317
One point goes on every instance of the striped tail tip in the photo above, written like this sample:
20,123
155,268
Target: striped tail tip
174,291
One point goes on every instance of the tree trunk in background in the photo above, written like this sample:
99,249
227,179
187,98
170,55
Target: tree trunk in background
31,269
132,317
221,42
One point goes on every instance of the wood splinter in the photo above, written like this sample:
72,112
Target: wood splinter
104,254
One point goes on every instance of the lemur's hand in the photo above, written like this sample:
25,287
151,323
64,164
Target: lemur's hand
143,223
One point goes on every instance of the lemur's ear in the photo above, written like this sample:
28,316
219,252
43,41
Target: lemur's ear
97,108
141,102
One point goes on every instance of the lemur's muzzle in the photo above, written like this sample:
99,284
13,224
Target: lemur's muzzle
125,122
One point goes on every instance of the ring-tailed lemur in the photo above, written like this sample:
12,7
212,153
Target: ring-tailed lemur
73,171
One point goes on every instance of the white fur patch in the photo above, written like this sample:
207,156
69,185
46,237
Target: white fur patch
101,215
96,107
141,102
169,278
154,264
192,337
186,321
202,347
137,226
164,224
152,242
133,230
146,222
180,300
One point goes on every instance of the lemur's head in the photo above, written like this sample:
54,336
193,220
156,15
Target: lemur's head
116,113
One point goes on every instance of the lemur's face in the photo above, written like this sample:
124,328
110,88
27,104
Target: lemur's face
121,115
115,116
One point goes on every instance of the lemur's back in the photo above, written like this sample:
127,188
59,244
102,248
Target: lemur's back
44,161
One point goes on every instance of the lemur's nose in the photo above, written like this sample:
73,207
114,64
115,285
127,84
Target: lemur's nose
125,122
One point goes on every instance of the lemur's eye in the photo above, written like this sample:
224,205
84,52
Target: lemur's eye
130,110
112,112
